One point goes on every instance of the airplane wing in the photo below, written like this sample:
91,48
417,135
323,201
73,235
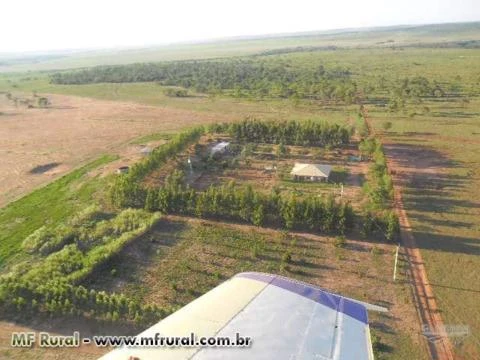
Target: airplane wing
285,319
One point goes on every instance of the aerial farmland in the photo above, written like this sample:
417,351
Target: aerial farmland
131,187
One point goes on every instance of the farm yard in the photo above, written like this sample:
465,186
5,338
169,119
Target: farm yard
264,166
252,170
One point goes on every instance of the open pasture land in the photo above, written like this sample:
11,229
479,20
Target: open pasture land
326,41
40,144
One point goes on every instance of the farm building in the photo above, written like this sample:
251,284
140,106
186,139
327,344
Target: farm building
145,151
313,172
219,148
123,169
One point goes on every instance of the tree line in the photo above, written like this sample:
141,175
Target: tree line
380,219
231,202
25,298
304,133
380,187
278,78
126,190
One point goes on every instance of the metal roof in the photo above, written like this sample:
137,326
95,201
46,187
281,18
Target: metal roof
219,147
317,170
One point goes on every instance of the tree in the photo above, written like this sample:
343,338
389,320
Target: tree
281,149
289,212
387,125
258,215
151,201
393,226
43,102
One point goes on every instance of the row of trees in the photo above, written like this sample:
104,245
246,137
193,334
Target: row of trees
231,202
305,133
24,298
274,77
52,286
380,185
126,190
92,247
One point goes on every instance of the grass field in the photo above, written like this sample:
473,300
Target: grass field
348,38
50,204
438,158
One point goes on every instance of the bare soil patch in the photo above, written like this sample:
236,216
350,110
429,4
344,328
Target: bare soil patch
72,131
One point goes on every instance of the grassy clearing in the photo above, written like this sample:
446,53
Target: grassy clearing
152,137
152,94
48,205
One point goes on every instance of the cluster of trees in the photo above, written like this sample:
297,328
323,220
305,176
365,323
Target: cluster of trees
175,92
413,90
52,286
45,241
244,204
304,133
91,247
126,190
296,49
279,78
24,298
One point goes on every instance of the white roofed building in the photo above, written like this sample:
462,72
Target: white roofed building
220,148
312,172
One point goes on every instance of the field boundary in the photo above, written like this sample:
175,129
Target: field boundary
439,348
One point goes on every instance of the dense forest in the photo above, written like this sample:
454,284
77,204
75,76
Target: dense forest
237,77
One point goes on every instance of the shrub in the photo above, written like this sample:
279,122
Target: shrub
340,242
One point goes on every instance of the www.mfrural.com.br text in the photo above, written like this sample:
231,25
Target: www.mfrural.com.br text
47,340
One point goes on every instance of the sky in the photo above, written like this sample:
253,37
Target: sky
33,25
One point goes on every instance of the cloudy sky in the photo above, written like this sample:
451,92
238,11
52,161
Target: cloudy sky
33,25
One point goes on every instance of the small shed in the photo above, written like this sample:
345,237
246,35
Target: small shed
312,172
220,148
146,150
123,169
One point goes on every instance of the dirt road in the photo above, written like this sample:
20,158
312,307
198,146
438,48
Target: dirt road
440,347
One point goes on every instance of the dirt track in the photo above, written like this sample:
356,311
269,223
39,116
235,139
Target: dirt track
38,145
440,347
